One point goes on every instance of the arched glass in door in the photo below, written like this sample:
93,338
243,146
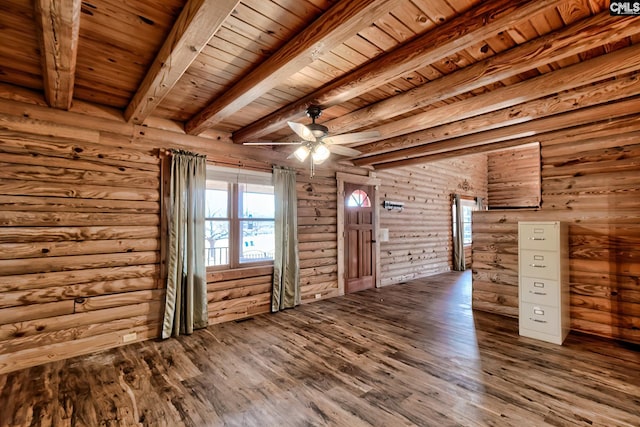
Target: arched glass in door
359,199
359,237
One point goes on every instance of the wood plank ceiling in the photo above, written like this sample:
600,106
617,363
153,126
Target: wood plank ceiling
436,78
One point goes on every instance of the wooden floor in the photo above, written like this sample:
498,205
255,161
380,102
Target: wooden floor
411,354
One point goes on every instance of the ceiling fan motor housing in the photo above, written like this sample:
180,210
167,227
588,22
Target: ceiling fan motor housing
319,131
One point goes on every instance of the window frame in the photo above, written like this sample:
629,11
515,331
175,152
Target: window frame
472,204
235,236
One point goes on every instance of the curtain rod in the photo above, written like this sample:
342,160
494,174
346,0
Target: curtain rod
260,167
241,165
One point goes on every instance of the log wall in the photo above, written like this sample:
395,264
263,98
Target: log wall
317,235
241,293
79,245
514,177
420,236
591,182
80,234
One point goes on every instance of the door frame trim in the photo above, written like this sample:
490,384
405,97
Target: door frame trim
341,178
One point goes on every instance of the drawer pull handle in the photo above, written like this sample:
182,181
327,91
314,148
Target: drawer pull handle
537,265
537,238
537,293
537,320
538,285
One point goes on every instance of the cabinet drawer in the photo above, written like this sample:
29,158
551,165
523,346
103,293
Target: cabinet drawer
539,264
540,291
540,318
538,236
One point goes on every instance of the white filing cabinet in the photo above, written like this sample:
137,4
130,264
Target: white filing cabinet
543,257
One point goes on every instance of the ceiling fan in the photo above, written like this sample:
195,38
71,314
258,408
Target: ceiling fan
316,144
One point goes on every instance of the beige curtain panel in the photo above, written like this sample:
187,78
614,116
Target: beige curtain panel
186,298
286,269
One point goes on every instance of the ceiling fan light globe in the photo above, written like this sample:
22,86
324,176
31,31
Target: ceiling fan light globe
301,153
320,154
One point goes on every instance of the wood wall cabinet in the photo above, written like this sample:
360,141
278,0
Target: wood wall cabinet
543,280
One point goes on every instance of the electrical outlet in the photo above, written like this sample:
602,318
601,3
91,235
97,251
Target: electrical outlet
318,296
129,337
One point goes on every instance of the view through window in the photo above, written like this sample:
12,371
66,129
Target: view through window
239,221
468,206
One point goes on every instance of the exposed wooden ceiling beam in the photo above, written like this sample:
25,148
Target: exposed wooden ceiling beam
479,23
523,133
572,40
197,23
59,26
613,130
599,68
622,129
406,146
340,22
29,103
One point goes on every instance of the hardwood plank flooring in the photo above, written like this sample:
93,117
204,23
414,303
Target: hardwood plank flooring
409,354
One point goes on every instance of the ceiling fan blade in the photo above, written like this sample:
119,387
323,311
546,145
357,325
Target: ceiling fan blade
271,143
343,151
302,131
348,138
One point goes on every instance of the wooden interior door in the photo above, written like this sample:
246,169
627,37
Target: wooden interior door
359,237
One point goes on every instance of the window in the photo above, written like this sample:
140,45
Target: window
217,221
239,218
359,199
467,206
